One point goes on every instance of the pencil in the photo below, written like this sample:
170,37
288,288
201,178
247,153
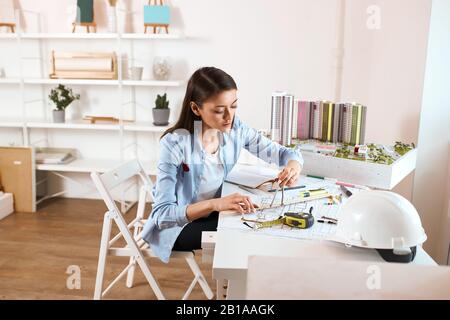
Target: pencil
286,189
248,225
326,221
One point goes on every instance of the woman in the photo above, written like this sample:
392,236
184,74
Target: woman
196,155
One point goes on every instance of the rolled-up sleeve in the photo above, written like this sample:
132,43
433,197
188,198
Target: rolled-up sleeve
167,212
266,149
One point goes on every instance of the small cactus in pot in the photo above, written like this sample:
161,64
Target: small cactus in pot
161,111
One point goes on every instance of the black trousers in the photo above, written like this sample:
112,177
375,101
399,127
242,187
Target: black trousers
190,237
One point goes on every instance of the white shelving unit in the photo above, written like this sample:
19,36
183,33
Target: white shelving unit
9,81
72,125
71,82
8,36
79,82
11,124
83,125
152,83
27,125
131,36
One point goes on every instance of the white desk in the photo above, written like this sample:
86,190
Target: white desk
233,248
291,278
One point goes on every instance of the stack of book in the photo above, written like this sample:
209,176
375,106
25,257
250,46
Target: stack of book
54,155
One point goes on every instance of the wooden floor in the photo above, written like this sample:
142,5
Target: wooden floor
37,248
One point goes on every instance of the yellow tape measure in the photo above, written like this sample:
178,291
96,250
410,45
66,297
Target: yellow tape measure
302,220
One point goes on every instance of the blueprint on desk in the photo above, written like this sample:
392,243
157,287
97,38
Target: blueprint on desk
319,231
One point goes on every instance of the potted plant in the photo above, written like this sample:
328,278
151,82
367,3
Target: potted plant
62,97
161,111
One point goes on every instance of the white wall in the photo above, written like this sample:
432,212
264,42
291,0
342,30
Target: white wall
264,45
431,194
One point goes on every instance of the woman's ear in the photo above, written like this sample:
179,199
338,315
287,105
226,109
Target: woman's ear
195,109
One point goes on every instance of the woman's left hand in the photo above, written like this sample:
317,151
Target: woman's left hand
290,174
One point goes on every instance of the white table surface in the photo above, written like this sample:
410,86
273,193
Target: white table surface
342,279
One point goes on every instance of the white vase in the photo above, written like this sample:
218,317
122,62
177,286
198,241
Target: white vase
112,19
121,14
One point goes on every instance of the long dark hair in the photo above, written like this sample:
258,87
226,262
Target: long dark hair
205,83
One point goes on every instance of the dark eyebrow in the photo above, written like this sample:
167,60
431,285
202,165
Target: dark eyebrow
222,106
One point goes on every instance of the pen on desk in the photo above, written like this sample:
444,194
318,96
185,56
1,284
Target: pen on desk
310,193
328,218
287,189
248,225
346,184
319,177
317,190
326,221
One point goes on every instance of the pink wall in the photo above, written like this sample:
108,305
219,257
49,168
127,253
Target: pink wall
384,69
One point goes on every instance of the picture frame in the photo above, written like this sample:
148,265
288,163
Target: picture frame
7,15
85,15
156,16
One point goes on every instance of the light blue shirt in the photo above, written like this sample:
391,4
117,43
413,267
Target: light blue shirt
180,171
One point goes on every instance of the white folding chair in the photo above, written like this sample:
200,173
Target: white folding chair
136,248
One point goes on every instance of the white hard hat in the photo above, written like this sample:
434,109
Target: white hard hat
381,220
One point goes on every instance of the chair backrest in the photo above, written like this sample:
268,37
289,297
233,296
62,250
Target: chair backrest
111,179
85,11
7,11
298,278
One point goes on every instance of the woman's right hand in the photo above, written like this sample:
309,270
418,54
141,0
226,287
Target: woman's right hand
235,202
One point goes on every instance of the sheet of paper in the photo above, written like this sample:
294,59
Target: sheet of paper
319,231
251,176
53,158
7,11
